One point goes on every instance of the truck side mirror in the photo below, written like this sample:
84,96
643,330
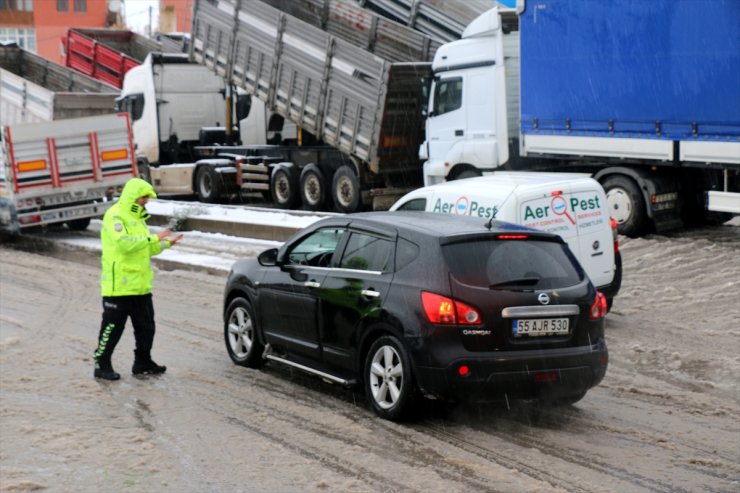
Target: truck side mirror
243,106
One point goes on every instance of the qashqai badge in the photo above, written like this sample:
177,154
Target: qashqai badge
543,298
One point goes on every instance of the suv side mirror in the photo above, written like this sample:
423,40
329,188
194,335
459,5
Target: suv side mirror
268,258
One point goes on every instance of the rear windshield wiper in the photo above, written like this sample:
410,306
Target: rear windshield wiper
524,281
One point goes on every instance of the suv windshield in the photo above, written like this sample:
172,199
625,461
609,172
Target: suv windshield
513,264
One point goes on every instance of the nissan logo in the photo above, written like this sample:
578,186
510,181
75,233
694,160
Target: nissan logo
544,298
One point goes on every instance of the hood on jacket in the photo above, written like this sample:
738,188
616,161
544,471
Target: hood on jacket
135,188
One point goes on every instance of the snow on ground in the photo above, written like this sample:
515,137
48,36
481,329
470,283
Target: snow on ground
214,250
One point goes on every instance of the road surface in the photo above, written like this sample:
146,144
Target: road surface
665,419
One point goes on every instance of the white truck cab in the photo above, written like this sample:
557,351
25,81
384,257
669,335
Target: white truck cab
571,205
467,127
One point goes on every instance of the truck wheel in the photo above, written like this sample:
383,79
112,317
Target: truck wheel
345,190
142,167
207,185
79,224
626,205
468,173
284,188
313,188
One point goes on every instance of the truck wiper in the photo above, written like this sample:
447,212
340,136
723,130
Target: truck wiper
523,281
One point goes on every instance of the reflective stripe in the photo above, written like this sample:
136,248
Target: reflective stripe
103,341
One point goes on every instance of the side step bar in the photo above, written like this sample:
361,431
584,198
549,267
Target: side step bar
326,376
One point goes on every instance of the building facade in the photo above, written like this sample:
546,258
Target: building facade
175,16
39,25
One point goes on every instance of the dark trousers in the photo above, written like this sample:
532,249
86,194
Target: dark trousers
116,310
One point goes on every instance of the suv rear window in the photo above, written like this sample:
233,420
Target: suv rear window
513,264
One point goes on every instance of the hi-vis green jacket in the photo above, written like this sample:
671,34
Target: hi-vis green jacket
128,245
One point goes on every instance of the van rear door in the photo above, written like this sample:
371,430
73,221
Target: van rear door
578,214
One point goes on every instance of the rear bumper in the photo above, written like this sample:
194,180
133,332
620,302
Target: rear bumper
520,374
611,290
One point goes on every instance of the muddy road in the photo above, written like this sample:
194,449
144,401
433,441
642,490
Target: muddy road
665,419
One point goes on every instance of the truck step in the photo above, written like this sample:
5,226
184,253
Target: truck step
257,168
255,186
256,177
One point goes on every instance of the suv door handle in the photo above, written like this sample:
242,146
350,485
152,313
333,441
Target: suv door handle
312,284
370,293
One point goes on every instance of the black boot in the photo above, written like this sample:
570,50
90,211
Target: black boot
143,364
104,370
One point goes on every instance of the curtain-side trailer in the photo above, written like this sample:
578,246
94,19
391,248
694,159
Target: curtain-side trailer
642,95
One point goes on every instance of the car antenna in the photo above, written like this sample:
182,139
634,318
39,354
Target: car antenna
489,224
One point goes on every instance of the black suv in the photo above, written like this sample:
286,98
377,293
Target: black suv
412,304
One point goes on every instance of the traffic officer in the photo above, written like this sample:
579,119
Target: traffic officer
126,280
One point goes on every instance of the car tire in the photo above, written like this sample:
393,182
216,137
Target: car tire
389,382
345,190
78,224
626,206
313,188
284,188
208,185
240,334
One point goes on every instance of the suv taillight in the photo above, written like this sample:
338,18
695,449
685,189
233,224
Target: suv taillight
446,311
598,308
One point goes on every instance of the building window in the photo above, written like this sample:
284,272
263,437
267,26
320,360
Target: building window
23,5
62,5
80,5
26,38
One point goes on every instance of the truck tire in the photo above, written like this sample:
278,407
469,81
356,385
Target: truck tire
626,205
468,173
208,185
345,190
142,168
313,188
79,224
284,188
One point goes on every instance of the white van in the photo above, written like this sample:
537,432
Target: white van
572,205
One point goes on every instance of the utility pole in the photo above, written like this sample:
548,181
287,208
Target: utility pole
150,21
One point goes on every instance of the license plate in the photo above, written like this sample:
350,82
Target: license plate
540,327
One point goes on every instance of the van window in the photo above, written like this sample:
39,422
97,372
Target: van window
447,95
413,205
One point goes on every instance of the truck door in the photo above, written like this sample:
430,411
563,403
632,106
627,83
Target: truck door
446,123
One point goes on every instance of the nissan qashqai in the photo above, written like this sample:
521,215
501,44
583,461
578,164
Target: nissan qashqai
411,304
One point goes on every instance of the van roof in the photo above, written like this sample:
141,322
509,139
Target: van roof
507,179
504,183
